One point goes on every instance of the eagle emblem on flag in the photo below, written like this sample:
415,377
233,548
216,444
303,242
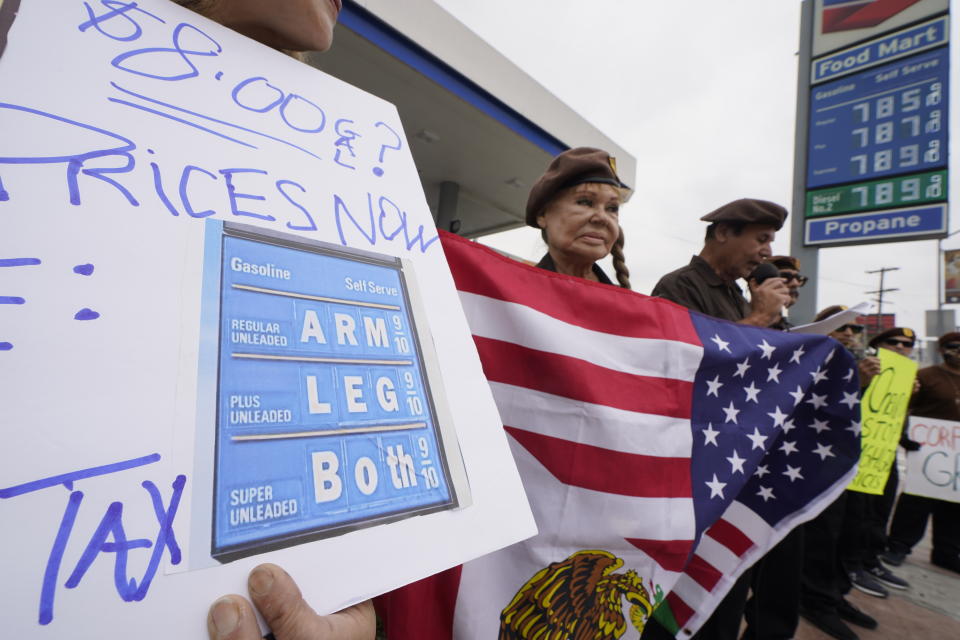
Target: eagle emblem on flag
580,597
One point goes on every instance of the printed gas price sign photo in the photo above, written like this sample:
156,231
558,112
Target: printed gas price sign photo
326,420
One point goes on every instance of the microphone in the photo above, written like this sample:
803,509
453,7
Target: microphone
764,271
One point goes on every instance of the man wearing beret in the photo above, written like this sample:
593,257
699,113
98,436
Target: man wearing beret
737,242
938,397
825,583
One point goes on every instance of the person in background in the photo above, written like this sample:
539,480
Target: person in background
289,25
772,612
824,583
938,397
790,272
737,241
864,534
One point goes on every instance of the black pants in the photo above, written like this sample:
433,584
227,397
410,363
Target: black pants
910,522
824,581
863,534
773,609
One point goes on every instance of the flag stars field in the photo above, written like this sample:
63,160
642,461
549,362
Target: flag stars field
819,425
767,349
736,462
788,447
796,355
818,401
716,487
710,435
793,473
757,439
850,399
819,375
797,395
731,413
854,428
824,451
778,416
766,493
714,385
721,345
773,373
742,368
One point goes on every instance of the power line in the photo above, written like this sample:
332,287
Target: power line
880,292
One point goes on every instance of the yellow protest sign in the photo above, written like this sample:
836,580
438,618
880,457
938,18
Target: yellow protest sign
883,409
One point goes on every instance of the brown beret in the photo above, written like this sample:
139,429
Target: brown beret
829,311
953,336
784,262
896,332
750,211
570,168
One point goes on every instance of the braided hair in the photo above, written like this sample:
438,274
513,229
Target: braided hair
619,262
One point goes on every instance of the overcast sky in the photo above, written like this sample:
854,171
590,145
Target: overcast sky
703,94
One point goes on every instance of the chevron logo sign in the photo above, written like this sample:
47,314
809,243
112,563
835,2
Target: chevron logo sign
847,15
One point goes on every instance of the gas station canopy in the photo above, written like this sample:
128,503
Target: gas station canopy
481,130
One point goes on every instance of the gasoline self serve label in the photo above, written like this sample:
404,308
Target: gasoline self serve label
325,418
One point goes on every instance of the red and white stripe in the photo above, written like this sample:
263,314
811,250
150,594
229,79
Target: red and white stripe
599,427
733,544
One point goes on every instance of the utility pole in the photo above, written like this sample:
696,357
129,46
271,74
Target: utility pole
882,271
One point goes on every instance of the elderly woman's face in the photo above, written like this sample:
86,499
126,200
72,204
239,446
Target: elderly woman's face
582,222
297,25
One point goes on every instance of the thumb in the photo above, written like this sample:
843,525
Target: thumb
289,617
232,618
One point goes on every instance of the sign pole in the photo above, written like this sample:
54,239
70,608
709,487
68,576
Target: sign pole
806,307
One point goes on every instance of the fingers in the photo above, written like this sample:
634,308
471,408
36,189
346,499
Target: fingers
232,618
289,617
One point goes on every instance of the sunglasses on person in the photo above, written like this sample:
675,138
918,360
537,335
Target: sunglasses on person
893,342
854,328
951,346
789,275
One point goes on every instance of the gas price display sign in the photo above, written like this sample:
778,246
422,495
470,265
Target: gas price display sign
877,161
326,420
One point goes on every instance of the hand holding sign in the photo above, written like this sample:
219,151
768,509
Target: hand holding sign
279,601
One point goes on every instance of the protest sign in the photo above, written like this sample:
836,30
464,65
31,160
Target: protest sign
934,470
883,410
228,333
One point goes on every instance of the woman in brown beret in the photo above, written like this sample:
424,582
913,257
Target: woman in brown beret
576,206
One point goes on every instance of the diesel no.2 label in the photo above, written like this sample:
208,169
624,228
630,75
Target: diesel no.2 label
889,120
901,191
325,417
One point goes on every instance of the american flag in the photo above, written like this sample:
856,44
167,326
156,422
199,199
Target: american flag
663,452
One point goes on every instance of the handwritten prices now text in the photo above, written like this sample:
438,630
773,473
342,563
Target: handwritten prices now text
190,54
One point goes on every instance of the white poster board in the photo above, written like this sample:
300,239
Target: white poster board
934,470
228,333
